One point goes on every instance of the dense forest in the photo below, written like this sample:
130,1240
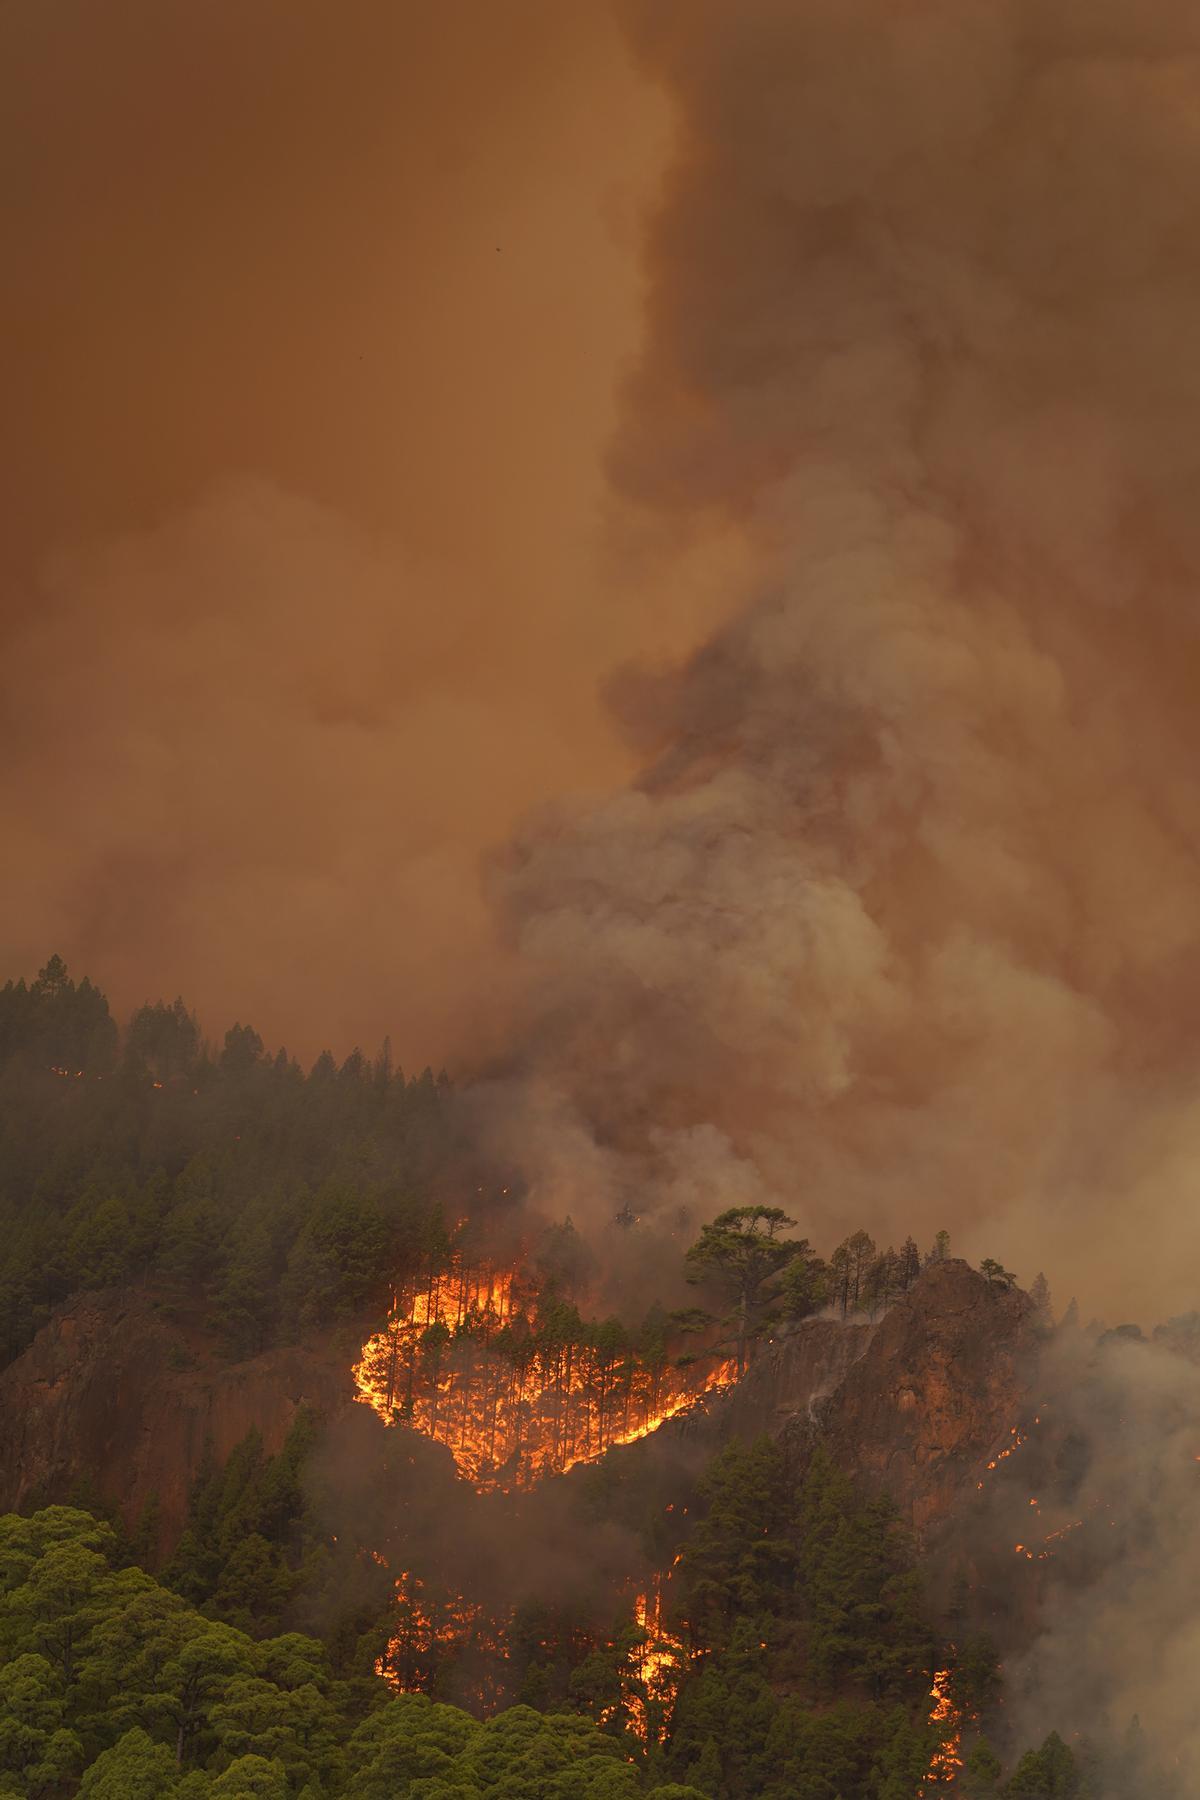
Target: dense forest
280,1200
782,1645
812,1681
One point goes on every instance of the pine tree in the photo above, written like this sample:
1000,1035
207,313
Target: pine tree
910,1263
739,1252
976,1680
981,1773
143,1544
882,1280
1049,1773
1039,1293
848,1266
705,1772
804,1285
739,1561
905,1758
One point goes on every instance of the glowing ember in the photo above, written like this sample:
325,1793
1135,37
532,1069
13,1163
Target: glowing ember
471,1360
946,1760
1018,1438
1051,1537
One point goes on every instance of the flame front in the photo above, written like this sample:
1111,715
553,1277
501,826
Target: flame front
428,1628
470,1361
946,1760
660,1662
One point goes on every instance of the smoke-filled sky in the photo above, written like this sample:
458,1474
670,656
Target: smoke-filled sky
385,380
312,320
899,922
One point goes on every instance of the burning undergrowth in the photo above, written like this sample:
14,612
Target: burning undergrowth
511,1378
493,1594
495,1363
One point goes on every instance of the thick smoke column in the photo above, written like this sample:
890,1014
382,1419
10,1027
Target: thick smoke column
899,925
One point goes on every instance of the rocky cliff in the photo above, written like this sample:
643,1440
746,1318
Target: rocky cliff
98,1400
935,1392
913,1404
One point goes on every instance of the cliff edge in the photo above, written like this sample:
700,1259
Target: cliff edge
98,1399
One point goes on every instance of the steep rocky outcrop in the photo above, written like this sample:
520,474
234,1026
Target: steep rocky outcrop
912,1404
940,1384
796,1376
97,1400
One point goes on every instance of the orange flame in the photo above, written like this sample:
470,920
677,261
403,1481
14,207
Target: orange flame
946,1760
660,1663
461,1361
1019,1437
429,1630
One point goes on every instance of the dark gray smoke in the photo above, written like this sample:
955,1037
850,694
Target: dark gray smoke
899,925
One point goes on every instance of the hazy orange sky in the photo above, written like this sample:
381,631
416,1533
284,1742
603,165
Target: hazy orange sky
381,381
312,324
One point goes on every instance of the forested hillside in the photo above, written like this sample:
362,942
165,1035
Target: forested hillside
372,1611
280,1199
810,1684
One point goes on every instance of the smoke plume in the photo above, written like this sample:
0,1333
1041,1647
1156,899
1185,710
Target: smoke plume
898,924
1085,1544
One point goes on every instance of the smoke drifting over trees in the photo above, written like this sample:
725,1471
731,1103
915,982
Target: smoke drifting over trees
899,920
1094,1513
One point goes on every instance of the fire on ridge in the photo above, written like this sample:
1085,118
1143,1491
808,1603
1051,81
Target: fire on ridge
512,1383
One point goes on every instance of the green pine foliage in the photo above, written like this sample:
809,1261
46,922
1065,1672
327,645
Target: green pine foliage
1049,1773
817,1661
807,1671
114,1687
271,1202
250,1544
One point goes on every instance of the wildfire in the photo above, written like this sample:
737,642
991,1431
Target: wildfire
946,1760
435,1629
470,1360
1051,1537
1018,1438
660,1664
430,1630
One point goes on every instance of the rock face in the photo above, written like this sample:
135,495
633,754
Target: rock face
945,1376
914,1404
796,1377
95,1398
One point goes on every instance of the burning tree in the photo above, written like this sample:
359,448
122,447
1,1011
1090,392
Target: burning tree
630,1682
515,1382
